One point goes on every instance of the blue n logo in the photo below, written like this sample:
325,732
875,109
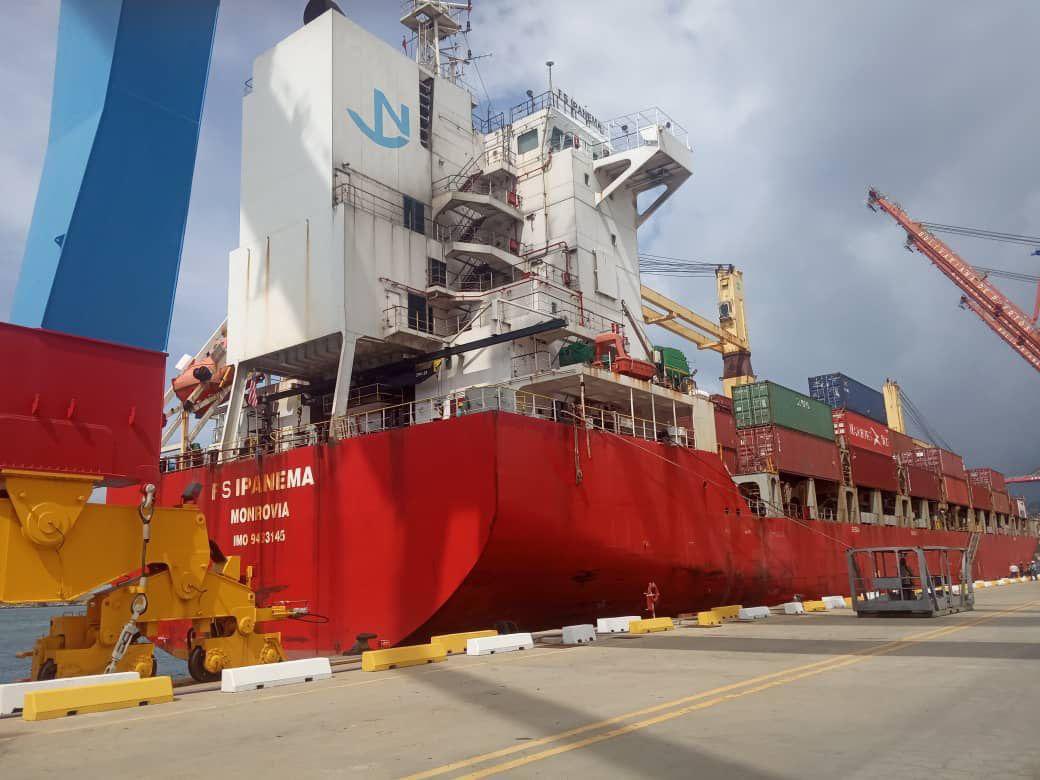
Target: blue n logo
380,107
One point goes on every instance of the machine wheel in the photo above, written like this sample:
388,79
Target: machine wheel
48,670
197,666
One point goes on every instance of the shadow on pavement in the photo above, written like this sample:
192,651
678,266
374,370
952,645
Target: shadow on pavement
640,753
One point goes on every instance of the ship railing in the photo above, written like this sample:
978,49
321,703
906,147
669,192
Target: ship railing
476,400
642,128
466,233
473,400
556,306
477,184
403,318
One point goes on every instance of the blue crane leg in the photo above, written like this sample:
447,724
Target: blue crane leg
104,246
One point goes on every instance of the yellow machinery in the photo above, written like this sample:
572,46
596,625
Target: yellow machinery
729,337
143,571
894,406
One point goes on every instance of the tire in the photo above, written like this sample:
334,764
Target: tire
197,666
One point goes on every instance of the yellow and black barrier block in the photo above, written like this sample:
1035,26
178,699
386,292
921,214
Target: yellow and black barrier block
456,643
727,613
651,625
62,702
399,657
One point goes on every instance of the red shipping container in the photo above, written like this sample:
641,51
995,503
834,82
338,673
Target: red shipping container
722,402
862,432
874,470
1001,503
923,483
725,428
901,442
981,497
772,448
994,480
76,405
729,458
956,491
938,460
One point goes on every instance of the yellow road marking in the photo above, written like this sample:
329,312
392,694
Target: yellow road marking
729,693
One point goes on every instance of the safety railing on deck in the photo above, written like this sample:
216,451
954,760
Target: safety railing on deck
403,318
468,234
476,184
474,400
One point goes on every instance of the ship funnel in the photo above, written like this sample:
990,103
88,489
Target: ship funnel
316,8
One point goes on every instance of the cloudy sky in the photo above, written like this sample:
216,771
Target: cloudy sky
793,109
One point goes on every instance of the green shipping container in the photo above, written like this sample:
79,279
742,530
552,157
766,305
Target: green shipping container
767,403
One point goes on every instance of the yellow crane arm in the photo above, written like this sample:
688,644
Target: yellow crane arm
670,311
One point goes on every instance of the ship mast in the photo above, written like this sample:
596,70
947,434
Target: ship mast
432,22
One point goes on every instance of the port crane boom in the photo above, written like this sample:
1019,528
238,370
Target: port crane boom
994,308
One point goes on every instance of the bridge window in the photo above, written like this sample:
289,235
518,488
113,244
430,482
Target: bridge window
527,142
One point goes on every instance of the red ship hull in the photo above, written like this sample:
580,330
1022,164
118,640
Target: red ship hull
457,524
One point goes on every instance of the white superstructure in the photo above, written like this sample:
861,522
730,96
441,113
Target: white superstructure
384,223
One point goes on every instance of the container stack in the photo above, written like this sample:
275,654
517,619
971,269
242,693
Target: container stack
858,413
779,429
989,490
869,444
948,466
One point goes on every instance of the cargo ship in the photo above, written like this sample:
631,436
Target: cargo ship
435,404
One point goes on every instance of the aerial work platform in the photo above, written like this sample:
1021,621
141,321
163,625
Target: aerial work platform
912,581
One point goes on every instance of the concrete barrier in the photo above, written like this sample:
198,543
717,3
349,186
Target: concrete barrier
579,635
61,702
727,613
456,643
651,625
834,602
708,619
794,608
753,613
12,695
400,657
254,678
614,625
504,643
814,606
1002,581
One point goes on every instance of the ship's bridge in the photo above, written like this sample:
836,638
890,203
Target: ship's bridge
646,151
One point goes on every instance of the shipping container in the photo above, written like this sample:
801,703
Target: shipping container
725,428
842,392
767,403
874,470
901,442
775,448
729,458
990,478
924,483
981,497
957,491
861,432
1001,502
722,402
938,460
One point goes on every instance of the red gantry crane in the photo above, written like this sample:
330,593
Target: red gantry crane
1034,477
994,308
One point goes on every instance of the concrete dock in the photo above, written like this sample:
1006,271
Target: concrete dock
815,696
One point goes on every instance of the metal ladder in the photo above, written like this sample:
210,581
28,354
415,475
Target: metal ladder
969,556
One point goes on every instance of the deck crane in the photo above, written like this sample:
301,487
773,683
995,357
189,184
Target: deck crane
994,308
729,337
87,357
